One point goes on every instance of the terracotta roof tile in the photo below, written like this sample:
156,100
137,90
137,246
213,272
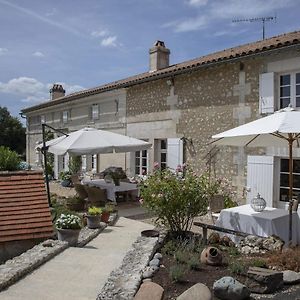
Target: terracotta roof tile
277,42
24,209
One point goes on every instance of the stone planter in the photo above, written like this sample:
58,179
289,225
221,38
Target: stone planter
68,235
93,222
105,217
211,256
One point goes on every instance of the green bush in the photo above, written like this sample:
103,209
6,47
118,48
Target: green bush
94,211
75,164
260,263
177,272
194,262
182,256
9,160
175,200
237,267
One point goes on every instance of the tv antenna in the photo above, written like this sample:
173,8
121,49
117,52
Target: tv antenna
260,19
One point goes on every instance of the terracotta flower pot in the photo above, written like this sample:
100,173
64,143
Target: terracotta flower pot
93,222
68,235
105,217
211,256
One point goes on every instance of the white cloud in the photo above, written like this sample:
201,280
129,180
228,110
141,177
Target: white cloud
109,41
32,90
197,2
190,24
3,51
99,33
38,54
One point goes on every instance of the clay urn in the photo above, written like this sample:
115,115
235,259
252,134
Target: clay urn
211,256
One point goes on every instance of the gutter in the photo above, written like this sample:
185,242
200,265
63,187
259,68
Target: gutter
163,75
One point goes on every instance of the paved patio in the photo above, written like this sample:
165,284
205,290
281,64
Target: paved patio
79,273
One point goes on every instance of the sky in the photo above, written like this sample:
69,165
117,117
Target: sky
87,43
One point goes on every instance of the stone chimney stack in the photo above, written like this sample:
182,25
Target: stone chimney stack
57,91
159,56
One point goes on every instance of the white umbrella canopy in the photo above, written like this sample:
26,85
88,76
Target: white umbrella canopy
280,129
94,141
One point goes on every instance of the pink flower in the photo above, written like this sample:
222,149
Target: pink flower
156,165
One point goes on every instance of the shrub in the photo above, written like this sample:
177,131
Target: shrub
177,272
94,211
194,262
260,263
237,267
68,222
170,247
174,200
286,260
9,160
182,256
65,175
75,164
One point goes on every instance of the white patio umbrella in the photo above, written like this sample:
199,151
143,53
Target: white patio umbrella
94,141
279,129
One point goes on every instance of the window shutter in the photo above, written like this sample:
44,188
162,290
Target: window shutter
174,153
260,178
266,93
83,163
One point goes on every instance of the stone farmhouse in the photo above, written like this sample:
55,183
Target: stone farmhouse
179,107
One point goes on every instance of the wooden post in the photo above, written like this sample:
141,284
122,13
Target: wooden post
290,185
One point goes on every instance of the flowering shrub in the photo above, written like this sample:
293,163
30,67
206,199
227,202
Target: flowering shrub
68,222
175,200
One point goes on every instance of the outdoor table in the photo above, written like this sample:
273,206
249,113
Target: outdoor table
271,221
111,188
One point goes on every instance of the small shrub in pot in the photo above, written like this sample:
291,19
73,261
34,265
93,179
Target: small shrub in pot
94,217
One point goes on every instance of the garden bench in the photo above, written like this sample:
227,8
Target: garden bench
217,228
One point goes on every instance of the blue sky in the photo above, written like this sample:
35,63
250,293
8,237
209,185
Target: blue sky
86,43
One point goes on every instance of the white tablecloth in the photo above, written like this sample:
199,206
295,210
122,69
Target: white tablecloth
270,221
111,188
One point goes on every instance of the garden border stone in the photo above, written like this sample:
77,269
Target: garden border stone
123,282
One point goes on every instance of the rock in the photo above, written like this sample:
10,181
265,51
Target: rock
211,256
149,291
213,238
149,271
147,280
246,250
228,288
263,281
291,277
48,243
197,291
154,262
273,243
158,255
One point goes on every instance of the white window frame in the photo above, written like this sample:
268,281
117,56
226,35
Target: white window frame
65,116
141,166
162,164
94,162
292,88
95,111
43,119
287,174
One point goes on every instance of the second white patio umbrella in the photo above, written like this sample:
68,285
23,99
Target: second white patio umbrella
94,141
279,129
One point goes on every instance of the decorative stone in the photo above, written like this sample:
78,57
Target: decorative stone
226,241
228,288
273,243
48,243
291,277
214,238
211,256
158,255
149,291
261,280
149,271
154,262
197,291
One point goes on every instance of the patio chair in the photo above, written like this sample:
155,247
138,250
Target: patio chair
75,179
216,204
81,193
96,196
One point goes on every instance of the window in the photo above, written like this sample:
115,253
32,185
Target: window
43,119
289,90
95,111
94,163
163,154
65,116
284,178
141,162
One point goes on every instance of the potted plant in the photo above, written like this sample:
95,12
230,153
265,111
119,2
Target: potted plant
93,217
65,177
75,203
106,211
68,228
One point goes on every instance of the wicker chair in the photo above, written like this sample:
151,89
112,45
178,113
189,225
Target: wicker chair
96,196
81,193
216,204
75,179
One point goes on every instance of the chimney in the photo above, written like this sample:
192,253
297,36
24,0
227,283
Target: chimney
57,91
159,56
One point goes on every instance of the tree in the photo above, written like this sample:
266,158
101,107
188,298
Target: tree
12,132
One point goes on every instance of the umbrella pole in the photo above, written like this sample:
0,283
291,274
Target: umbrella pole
290,140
